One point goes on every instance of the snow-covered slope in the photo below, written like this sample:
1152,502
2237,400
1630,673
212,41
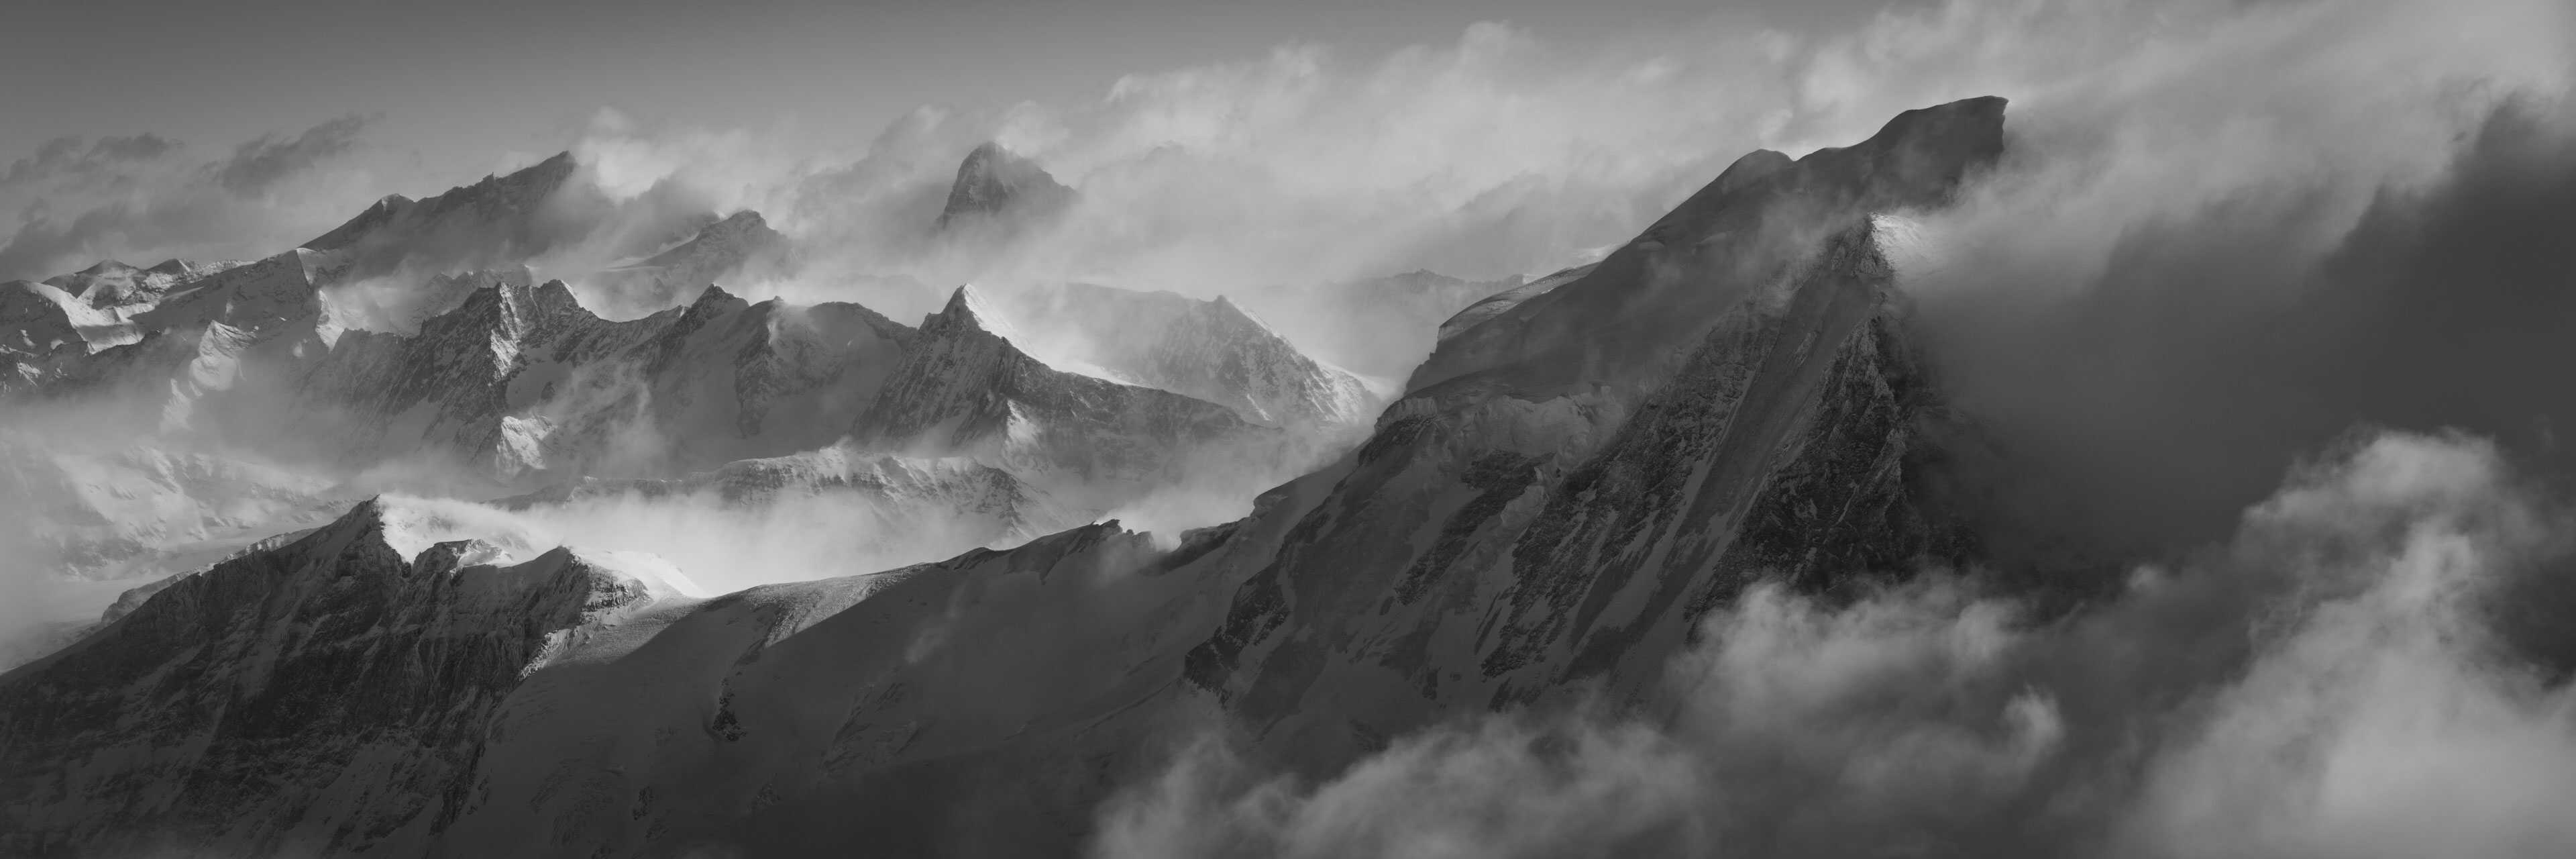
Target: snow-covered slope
1208,349
118,513
114,284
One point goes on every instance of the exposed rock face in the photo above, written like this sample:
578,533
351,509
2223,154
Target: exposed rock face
968,389
1574,480
996,187
1210,349
318,696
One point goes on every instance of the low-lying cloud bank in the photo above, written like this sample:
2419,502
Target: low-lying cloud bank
2330,682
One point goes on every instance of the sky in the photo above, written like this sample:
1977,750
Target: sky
152,132
455,85
1219,148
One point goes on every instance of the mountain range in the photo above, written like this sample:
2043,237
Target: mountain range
1582,466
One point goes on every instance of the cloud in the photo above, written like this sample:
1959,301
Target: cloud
260,164
2325,684
142,197
1498,153
67,157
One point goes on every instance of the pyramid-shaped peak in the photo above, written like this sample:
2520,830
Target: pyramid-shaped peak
990,155
714,299
970,309
555,292
966,304
994,181
1225,308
